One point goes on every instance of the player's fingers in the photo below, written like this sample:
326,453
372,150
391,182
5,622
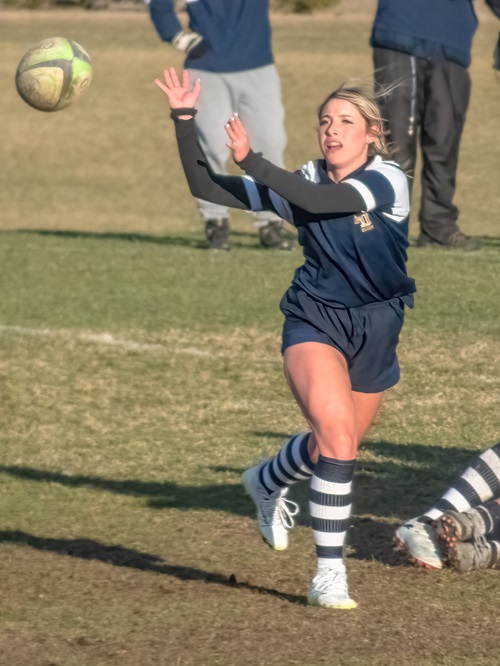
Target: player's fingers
232,126
175,78
162,86
237,127
238,124
237,134
185,79
168,79
230,132
197,87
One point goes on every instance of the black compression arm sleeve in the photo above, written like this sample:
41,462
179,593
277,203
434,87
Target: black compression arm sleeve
494,5
312,197
228,191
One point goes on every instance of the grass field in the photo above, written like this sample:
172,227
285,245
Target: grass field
140,374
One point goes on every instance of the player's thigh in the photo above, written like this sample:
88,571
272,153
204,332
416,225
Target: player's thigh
215,106
261,108
318,378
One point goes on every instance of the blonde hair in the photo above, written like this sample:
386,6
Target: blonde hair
366,104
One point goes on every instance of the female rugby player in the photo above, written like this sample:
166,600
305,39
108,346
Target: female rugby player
343,311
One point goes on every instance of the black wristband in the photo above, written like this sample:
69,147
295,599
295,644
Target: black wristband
176,113
249,160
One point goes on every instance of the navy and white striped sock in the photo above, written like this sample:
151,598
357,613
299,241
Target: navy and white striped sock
290,465
479,483
490,515
330,508
495,554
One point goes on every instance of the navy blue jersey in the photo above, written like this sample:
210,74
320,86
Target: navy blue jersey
350,259
431,29
354,233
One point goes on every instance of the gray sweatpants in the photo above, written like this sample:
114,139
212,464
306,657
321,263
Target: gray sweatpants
256,96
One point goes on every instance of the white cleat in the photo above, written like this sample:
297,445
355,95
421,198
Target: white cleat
329,590
420,542
274,513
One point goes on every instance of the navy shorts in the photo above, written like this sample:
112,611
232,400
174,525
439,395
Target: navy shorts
367,336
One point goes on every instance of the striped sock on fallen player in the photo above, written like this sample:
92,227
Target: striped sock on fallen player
479,483
291,465
490,515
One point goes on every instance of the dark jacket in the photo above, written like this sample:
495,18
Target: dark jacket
237,33
430,29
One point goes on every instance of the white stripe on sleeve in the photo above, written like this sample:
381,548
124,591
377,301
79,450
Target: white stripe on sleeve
253,193
365,193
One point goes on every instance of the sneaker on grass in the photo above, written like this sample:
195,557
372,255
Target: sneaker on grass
419,540
329,590
275,513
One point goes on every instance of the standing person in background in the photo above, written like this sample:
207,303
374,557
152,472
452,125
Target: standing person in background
228,47
425,48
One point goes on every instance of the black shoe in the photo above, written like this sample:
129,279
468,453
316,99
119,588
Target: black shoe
217,234
457,241
274,237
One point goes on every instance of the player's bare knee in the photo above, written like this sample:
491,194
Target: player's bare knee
340,443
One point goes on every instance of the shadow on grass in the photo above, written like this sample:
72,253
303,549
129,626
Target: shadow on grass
177,241
118,556
400,480
486,242
490,241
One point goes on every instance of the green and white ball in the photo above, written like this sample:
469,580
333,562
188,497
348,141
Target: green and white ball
53,73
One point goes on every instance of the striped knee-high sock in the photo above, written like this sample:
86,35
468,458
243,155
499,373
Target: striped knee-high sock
330,508
495,554
291,464
479,483
490,515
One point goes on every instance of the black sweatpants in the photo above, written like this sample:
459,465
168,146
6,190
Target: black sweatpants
428,105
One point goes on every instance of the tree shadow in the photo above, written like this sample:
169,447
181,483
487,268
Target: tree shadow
119,556
159,495
171,240
401,480
393,482
486,242
180,241
489,241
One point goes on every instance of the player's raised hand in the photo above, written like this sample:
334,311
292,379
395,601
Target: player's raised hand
239,143
181,95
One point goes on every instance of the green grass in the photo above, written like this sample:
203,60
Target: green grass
140,374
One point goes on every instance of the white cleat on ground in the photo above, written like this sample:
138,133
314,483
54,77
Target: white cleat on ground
274,513
329,590
420,542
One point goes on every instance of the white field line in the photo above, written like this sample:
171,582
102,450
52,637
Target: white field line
102,339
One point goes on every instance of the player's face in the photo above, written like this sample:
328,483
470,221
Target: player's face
343,138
